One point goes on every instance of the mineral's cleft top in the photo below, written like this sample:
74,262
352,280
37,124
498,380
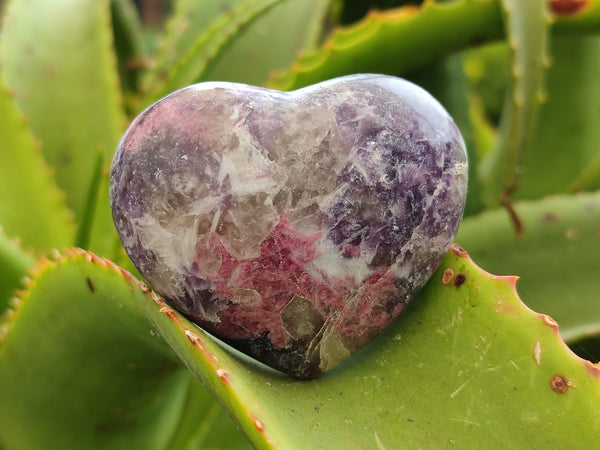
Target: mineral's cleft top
294,226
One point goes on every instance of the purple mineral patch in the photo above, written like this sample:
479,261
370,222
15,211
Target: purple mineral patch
294,226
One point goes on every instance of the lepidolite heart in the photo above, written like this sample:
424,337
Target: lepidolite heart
293,226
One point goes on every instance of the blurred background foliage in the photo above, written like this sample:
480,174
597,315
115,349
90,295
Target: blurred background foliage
89,358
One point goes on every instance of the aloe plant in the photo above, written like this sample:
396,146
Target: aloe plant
90,357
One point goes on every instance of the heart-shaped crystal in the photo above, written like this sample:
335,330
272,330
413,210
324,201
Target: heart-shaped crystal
293,226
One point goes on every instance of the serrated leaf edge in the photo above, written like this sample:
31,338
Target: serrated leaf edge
48,262
222,30
511,280
219,374
58,196
363,29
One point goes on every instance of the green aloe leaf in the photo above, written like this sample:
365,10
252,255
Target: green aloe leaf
130,45
205,424
185,27
566,143
487,70
82,366
14,263
97,231
465,364
131,49
195,38
556,256
442,374
294,25
399,40
58,59
588,178
31,205
396,41
527,30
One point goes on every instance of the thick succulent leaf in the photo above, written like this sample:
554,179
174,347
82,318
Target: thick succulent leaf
443,373
186,55
58,59
205,424
82,366
396,41
294,25
565,142
487,71
466,363
527,31
588,178
130,47
31,205
556,256
14,263
187,24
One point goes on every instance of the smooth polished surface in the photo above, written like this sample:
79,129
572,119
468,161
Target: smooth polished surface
294,226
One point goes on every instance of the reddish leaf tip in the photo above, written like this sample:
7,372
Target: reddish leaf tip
567,7
459,251
223,375
549,320
258,424
593,369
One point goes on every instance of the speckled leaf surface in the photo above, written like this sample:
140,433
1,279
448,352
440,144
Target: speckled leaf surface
556,257
57,58
465,364
31,205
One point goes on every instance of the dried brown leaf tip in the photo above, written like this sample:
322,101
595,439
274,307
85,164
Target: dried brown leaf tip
567,7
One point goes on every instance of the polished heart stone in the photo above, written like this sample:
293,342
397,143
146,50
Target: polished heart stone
293,226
